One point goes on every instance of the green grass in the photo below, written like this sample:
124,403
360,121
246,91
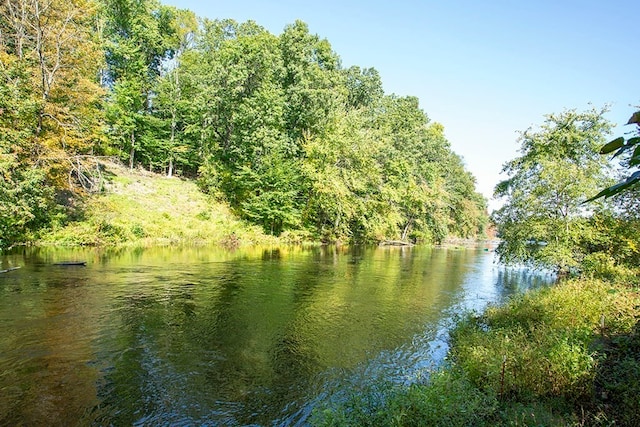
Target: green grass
568,355
140,208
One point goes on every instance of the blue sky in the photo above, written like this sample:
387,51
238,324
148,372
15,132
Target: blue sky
484,69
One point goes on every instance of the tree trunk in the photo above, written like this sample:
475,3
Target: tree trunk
132,153
173,138
406,229
16,15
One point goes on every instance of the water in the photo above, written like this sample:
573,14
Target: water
200,336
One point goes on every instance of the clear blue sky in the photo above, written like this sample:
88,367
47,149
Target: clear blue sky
484,69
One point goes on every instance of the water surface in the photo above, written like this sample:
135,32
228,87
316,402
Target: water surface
184,336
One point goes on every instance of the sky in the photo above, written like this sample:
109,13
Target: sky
486,70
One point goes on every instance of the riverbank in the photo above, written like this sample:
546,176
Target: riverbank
567,355
138,208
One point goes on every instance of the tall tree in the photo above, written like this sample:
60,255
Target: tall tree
169,102
311,81
543,218
239,112
364,87
140,35
343,178
50,51
49,106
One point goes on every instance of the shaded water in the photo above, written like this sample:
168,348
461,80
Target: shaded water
186,336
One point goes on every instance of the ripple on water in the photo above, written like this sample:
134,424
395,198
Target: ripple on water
184,337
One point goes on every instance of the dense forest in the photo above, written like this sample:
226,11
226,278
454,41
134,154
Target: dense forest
273,125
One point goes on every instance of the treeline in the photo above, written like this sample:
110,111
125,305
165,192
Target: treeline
274,125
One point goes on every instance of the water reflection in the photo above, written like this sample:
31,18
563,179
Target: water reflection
199,335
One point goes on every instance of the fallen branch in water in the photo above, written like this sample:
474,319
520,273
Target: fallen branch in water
395,243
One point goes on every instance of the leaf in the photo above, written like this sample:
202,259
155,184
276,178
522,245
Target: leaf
613,145
635,118
622,149
604,192
623,185
633,141
635,158
617,188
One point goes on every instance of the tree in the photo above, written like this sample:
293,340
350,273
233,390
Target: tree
49,107
50,53
169,101
26,201
272,192
343,180
140,37
364,87
543,218
311,80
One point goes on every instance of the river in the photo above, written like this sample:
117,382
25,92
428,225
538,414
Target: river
203,336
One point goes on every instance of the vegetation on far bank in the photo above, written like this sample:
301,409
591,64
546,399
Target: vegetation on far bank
273,126
142,208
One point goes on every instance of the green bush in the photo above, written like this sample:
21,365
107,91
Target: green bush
26,203
138,231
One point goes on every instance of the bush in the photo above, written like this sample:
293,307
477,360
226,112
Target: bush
26,203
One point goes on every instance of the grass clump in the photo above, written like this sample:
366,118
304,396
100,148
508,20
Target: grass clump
563,355
448,398
141,208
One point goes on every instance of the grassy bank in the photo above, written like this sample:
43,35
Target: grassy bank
561,356
141,208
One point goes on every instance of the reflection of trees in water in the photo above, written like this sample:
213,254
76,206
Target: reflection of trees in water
513,280
48,324
168,340
235,340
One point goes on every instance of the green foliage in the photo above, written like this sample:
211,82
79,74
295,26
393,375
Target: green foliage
26,202
270,194
344,180
273,125
311,80
547,343
617,377
293,141
446,399
49,108
624,146
139,37
543,220
364,87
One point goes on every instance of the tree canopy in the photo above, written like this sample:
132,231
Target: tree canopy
543,220
271,124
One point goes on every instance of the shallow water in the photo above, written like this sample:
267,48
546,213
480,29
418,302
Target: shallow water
184,336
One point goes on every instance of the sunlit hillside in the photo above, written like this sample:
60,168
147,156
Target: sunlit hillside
142,208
